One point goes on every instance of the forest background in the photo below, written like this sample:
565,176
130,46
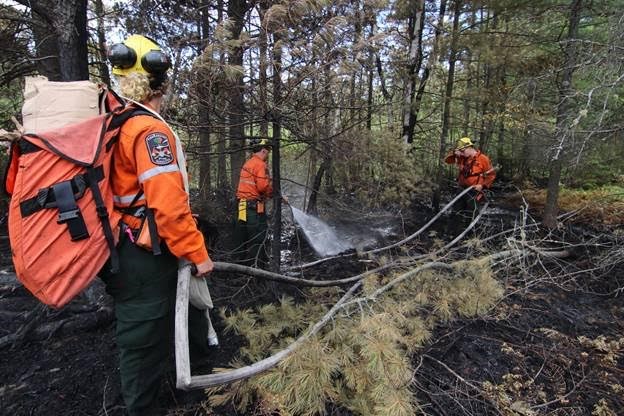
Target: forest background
361,99
365,97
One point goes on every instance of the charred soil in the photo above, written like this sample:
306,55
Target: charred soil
551,346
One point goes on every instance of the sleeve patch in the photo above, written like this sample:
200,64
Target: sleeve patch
159,149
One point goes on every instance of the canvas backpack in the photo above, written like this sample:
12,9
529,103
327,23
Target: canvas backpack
61,218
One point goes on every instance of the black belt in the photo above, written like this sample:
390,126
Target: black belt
251,203
138,212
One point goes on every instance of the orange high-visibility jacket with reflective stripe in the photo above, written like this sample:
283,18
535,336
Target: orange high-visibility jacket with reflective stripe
472,169
145,158
255,181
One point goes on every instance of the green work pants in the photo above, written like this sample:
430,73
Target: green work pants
250,240
468,203
144,292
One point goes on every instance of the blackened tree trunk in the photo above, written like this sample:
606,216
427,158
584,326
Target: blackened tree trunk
236,13
221,130
416,25
101,43
446,113
60,32
262,71
370,91
562,128
433,56
205,177
276,244
316,187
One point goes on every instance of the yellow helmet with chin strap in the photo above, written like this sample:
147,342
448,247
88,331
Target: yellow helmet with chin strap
463,143
138,54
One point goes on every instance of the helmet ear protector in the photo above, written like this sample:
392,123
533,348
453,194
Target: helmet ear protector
123,56
155,62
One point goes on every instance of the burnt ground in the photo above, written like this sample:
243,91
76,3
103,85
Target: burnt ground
530,347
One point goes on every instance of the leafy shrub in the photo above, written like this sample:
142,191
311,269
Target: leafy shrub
604,205
377,168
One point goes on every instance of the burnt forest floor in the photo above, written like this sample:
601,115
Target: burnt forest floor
553,346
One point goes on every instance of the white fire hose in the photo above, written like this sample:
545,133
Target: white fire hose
196,292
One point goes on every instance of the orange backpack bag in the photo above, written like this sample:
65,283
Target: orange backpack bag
62,226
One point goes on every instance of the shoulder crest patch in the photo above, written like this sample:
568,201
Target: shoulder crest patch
159,148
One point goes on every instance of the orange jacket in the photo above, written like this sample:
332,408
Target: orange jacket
145,159
255,181
472,170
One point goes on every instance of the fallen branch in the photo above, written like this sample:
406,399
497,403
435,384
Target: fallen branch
402,278
251,271
185,381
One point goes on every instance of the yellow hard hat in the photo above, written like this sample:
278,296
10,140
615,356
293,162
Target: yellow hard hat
138,53
463,143
258,143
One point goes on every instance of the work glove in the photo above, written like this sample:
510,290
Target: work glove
199,296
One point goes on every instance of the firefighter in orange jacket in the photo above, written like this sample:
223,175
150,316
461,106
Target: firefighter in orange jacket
475,168
157,228
254,189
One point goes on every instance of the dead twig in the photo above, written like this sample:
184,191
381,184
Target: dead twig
561,398
450,370
476,388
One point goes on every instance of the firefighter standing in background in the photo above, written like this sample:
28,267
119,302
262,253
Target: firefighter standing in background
254,189
475,169
149,189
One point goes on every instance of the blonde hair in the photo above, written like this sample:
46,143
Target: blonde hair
136,86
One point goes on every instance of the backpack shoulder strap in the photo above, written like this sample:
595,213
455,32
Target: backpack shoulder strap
118,120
